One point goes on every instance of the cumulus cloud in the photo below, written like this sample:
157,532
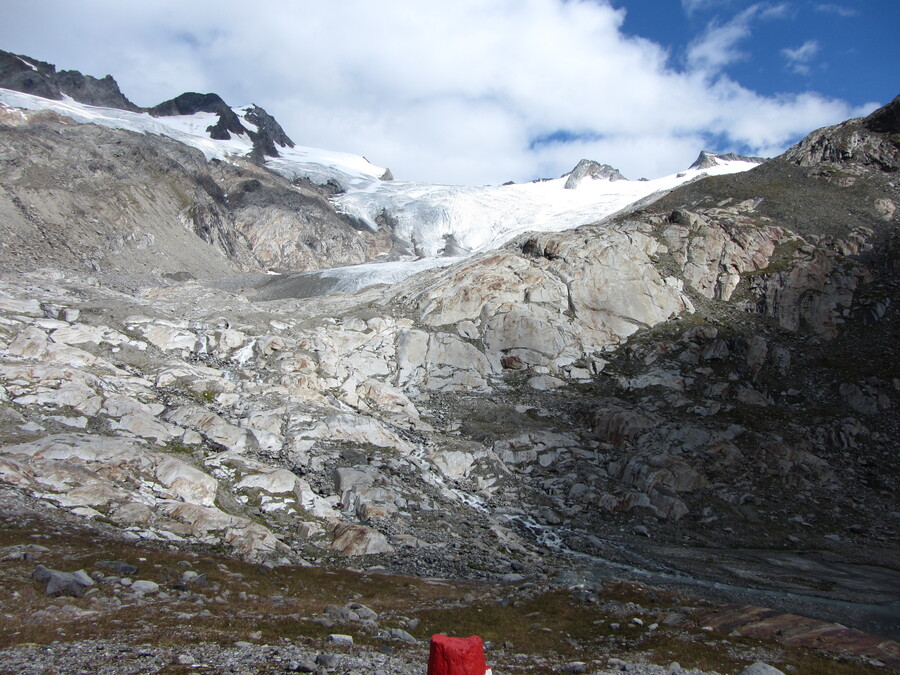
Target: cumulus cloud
799,58
470,91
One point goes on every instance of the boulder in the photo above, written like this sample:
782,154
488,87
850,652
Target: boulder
62,583
143,587
760,668
214,428
189,483
354,540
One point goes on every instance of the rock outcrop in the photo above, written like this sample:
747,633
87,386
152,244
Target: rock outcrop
268,133
79,196
706,159
869,141
588,168
22,73
192,102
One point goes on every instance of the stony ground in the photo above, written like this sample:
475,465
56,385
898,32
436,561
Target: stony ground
164,609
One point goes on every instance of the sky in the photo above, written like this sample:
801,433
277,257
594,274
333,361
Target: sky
484,91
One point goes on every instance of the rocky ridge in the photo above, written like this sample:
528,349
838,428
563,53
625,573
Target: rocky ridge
89,198
23,73
267,135
708,159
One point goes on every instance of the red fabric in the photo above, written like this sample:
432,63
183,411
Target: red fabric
456,656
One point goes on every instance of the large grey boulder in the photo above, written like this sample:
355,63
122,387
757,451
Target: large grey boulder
760,668
62,583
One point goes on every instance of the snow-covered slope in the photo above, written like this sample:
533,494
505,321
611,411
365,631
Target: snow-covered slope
349,171
436,220
481,218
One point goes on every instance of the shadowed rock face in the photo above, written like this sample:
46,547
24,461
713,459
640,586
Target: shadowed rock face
28,75
86,89
192,102
885,120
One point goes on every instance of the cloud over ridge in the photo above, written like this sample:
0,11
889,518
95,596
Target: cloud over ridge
447,92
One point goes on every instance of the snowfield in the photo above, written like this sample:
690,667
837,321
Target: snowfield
483,218
440,222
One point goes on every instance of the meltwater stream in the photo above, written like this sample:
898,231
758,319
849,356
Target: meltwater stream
881,619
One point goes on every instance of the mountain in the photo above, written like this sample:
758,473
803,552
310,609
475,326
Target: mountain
707,160
588,168
156,205
690,382
267,132
22,73
410,221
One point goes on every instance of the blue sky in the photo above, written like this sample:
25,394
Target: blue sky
484,91
846,49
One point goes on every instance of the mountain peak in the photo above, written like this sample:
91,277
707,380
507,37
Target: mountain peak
885,119
30,76
190,103
268,132
588,168
706,159
268,128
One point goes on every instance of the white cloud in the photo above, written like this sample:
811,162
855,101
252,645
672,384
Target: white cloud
799,58
840,10
720,44
447,92
693,6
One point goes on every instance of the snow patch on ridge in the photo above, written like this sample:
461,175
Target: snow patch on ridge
350,171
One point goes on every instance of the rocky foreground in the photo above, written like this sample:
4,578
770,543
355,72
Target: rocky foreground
701,392
133,607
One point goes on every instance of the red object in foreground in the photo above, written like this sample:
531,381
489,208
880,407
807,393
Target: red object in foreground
456,656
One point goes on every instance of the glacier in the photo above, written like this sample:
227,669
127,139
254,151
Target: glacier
440,223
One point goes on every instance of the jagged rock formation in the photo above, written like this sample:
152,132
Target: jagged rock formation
588,168
191,102
22,73
707,159
269,133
